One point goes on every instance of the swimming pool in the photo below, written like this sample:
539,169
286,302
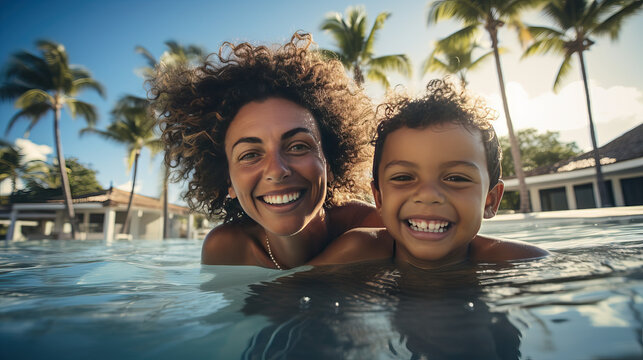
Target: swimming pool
152,299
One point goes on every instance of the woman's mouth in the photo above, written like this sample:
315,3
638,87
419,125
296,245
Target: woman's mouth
429,226
282,199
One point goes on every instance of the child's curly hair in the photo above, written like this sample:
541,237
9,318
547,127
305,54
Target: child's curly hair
443,104
196,106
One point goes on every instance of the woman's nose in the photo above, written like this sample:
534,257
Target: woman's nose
429,193
277,168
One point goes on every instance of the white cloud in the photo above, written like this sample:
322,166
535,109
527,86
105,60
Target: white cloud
128,186
615,110
32,151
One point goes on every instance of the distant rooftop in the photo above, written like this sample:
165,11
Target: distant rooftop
625,147
116,197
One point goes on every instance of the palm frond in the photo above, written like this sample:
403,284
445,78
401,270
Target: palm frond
33,96
399,63
82,109
554,45
378,76
88,83
467,11
562,72
377,25
151,60
464,36
33,113
612,25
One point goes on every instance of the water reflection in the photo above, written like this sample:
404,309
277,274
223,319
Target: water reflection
378,311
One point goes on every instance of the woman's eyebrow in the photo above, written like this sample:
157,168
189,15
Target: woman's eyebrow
286,135
251,140
293,132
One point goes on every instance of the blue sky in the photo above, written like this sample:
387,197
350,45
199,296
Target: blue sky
101,35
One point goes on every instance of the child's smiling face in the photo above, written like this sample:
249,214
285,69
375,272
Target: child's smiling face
434,191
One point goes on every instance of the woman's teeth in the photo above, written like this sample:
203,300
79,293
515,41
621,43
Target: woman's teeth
281,199
434,226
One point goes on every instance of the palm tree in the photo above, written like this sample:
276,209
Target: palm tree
355,47
176,55
48,83
577,22
13,166
454,58
489,15
133,126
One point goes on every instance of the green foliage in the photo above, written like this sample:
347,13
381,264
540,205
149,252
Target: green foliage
536,150
355,46
13,167
47,184
40,84
575,26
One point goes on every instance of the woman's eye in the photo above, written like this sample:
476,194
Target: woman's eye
299,147
248,156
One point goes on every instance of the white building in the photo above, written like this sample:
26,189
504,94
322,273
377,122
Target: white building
100,215
571,184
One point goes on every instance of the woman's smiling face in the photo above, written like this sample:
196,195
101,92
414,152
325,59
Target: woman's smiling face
277,168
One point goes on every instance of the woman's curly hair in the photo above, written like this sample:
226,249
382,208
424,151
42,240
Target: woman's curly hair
196,106
442,104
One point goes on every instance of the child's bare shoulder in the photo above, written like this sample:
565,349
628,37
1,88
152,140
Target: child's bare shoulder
488,249
359,244
226,244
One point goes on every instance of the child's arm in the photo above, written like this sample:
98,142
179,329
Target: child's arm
355,245
485,249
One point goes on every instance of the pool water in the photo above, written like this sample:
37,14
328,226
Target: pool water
153,300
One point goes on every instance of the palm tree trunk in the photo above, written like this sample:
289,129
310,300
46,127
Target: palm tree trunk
358,76
513,141
602,200
166,219
125,228
62,167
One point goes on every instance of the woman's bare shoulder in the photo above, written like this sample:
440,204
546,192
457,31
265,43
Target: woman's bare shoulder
485,248
226,244
354,214
360,244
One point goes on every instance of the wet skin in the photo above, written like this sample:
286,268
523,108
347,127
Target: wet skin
277,167
433,192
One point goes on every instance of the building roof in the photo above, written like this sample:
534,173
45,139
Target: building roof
625,147
117,197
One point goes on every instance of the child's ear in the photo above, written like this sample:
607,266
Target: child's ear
376,195
493,200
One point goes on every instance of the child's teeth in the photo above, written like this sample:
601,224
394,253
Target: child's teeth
428,226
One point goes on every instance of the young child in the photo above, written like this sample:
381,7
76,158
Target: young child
436,173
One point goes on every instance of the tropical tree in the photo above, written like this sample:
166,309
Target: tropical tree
134,127
45,181
536,150
13,166
455,58
576,24
355,46
40,84
176,55
490,16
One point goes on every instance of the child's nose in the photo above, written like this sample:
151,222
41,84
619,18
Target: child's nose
277,168
429,193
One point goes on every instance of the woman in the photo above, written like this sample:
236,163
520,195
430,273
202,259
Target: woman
273,140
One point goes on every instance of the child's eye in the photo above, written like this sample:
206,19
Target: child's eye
457,178
401,178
